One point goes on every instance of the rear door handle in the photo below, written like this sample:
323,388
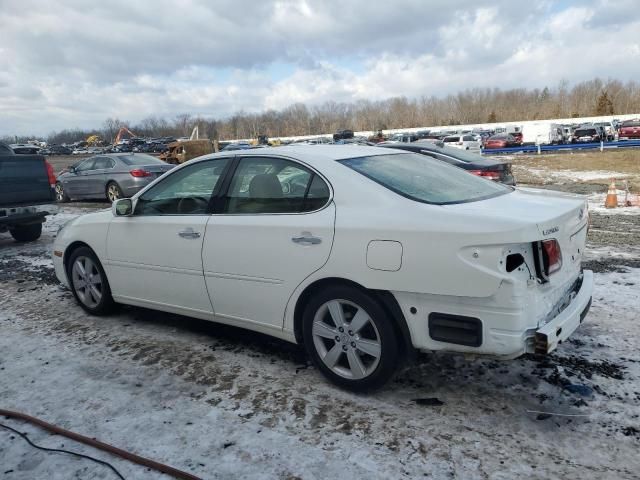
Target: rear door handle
189,233
306,240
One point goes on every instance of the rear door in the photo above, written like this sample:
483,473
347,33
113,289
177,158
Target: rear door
274,228
96,177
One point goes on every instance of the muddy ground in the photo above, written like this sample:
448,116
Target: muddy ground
221,402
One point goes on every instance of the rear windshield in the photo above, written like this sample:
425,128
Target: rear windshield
451,139
585,132
425,179
140,159
631,123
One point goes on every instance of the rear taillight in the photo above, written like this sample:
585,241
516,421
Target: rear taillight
51,175
547,258
139,172
552,256
488,174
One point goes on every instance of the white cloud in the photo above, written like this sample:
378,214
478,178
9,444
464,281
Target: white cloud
69,65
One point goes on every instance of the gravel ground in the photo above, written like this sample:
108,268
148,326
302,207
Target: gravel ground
225,403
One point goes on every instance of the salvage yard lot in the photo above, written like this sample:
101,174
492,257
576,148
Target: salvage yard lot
224,403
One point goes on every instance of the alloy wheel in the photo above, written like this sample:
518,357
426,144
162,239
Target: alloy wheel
346,339
59,192
113,192
87,281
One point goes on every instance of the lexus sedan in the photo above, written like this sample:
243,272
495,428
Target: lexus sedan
361,254
109,176
478,165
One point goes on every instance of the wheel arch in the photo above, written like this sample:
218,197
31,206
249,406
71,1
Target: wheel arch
385,298
72,247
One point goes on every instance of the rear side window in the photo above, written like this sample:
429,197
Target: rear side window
140,159
274,185
468,138
424,179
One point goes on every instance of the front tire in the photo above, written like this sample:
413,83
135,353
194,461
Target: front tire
88,282
26,233
113,192
350,338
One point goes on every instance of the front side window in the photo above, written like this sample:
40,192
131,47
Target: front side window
424,179
274,185
186,191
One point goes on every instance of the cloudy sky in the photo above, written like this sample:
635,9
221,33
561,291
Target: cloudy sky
65,64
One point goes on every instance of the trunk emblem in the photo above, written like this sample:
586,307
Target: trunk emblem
550,231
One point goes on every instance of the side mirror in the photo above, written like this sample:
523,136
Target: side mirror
71,169
123,207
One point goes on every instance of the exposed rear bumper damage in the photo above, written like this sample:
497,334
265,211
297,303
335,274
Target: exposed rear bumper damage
571,311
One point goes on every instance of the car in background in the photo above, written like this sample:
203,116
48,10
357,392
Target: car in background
463,142
472,162
343,135
25,149
629,130
587,135
369,255
57,150
236,146
109,176
501,140
609,128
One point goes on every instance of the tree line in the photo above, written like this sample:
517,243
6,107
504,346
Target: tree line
477,105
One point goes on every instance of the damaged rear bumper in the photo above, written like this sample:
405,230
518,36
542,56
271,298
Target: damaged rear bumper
576,305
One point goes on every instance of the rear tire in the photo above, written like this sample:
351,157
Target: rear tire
61,195
350,338
113,192
26,233
88,282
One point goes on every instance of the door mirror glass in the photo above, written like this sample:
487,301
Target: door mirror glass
122,207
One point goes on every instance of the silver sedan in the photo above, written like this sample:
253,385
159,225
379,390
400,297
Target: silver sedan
109,176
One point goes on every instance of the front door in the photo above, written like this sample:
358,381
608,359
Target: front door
274,228
154,256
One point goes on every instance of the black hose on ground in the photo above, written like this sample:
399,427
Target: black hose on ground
145,462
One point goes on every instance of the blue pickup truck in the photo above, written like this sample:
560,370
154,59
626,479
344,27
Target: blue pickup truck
27,194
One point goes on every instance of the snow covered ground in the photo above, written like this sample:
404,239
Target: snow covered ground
224,403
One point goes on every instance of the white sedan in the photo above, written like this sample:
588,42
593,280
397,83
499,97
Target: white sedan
362,254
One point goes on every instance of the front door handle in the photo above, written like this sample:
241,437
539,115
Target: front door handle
189,233
306,240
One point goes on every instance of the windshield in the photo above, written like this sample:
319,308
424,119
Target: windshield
585,132
140,159
425,179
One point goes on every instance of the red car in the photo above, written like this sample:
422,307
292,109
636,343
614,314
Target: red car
500,141
629,130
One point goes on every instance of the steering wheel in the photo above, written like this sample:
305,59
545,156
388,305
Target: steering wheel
192,205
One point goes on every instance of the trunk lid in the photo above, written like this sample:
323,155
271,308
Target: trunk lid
24,180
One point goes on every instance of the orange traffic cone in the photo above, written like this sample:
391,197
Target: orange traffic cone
612,196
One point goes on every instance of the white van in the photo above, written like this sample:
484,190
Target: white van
542,134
